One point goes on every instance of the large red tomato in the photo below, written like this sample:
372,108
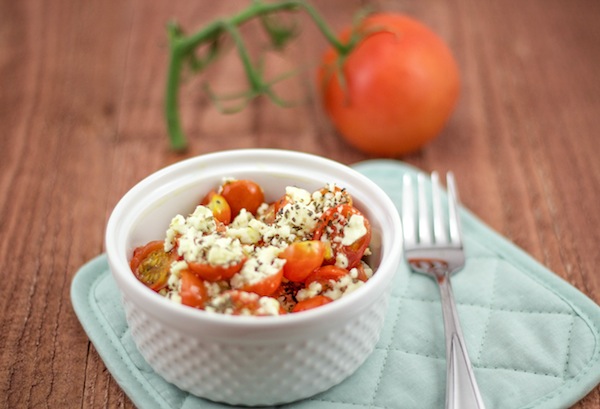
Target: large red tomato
398,89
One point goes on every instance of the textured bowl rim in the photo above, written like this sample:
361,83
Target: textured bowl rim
162,308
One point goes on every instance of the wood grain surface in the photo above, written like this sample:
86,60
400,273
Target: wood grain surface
81,121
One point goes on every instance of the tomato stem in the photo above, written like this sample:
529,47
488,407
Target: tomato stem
182,50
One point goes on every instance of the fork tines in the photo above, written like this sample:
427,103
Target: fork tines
417,207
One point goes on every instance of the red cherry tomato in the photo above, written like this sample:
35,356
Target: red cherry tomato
265,287
311,303
219,206
242,194
213,273
362,274
151,264
325,274
331,227
399,86
271,213
302,258
193,292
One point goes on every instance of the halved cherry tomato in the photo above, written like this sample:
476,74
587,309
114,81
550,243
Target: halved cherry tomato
280,203
331,226
151,264
213,273
270,214
266,286
242,194
219,206
362,275
193,292
302,257
310,303
323,275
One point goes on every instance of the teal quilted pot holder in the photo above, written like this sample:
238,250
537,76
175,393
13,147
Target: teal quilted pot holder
533,339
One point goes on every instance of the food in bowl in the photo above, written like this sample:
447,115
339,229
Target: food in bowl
236,254
245,360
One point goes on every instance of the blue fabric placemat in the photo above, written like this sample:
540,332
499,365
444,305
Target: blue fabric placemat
532,337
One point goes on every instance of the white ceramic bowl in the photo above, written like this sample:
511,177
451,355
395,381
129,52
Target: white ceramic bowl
251,360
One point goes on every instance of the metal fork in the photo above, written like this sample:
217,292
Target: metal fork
433,245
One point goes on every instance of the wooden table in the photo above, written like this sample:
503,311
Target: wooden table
81,117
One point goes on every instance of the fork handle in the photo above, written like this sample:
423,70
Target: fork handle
462,391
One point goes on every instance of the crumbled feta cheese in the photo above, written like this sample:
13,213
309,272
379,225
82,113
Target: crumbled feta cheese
268,306
213,249
214,289
174,280
300,218
354,230
298,195
176,228
341,260
244,303
329,197
241,220
177,267
311,291
342,287
201,221
262,210
260,265
174,296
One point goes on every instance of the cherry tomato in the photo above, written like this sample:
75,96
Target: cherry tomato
310,303
242,194
399,86
151,264
193,292
213,273
302,257
324,274
271,213
331,227
267,286
219,206
362,274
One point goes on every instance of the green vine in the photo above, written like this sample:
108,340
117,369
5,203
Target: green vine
184,54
